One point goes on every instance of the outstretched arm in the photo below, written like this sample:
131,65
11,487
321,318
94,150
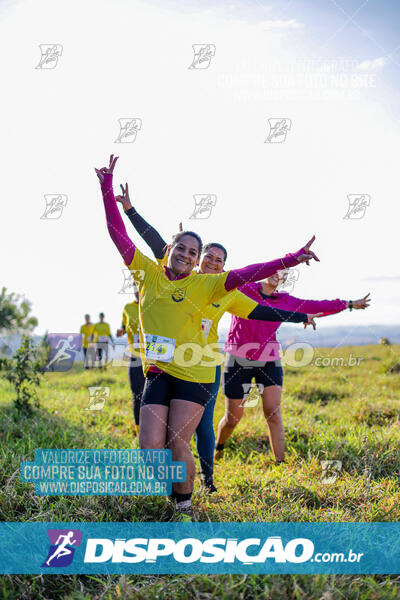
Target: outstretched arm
247,308
362,303
326,307
256,272
267,313
150,235
115,224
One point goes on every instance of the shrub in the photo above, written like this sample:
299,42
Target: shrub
24,371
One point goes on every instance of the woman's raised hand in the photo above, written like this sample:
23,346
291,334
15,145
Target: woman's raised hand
124,198
311,320
308,254
101,172
362,303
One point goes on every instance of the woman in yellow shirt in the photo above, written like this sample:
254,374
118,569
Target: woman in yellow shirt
172,301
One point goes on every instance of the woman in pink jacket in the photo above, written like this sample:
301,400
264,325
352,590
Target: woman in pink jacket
253,351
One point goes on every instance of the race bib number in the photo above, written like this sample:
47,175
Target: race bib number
206,326
159,348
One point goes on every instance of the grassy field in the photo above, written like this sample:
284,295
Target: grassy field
343,413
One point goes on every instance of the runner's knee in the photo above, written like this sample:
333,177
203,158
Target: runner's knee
273,416
178,445
233,418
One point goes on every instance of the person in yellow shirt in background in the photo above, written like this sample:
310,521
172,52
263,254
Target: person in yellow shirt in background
130,326
101,336
87,333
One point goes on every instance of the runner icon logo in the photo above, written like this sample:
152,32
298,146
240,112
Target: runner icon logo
62,547
63,349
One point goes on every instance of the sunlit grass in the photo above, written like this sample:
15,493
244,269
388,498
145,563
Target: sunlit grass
347,414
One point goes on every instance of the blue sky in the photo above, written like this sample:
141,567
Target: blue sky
203,131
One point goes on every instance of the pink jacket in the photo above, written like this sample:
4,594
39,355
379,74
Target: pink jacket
256,340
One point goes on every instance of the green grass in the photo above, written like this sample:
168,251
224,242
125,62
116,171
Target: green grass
351,414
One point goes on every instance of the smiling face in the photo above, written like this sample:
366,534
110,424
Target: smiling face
212,260
183,255
277,279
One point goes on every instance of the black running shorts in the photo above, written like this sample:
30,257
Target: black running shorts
161,388
238,374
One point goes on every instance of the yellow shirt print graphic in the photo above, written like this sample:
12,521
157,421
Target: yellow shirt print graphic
178,295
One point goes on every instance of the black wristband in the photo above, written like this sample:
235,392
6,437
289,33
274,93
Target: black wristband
351,304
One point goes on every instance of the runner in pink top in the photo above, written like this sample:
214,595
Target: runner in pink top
253,351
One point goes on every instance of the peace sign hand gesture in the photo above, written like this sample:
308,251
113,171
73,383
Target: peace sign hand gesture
101,172
124,198
362,303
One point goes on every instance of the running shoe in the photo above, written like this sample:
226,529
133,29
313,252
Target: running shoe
184,516
208,486
218,455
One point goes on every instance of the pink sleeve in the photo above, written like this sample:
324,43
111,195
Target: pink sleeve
259,271
115,224
328,307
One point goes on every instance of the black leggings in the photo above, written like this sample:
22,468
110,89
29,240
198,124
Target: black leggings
136,381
